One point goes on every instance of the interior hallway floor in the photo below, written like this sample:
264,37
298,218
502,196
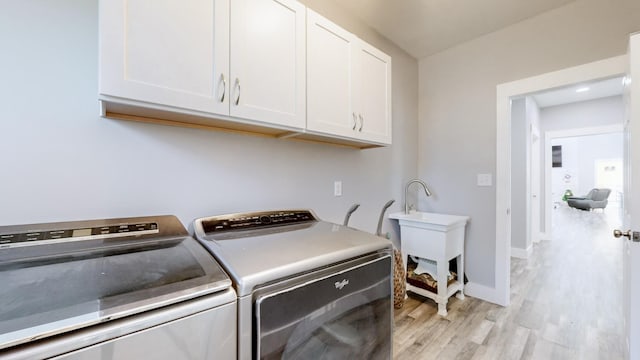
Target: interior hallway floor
566,303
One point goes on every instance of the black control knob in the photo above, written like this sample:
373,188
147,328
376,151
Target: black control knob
265,219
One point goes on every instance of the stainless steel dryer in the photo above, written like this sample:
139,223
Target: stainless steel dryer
137,288
306,288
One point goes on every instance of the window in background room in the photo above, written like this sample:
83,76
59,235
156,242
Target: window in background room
609,175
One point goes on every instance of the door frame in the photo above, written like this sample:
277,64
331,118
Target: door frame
607,68
535,141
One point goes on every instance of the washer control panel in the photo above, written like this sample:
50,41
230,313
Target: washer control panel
248,221
34,237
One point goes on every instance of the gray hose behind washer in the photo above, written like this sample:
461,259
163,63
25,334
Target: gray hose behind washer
353,208
384,209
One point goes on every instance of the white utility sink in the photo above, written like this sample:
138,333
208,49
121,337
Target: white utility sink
437,237
434,219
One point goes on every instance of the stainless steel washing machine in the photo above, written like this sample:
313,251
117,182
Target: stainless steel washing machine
136,288
307,289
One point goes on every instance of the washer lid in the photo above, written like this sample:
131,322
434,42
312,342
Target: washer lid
269,252
57,285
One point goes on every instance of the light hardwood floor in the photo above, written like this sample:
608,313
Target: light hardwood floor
566,303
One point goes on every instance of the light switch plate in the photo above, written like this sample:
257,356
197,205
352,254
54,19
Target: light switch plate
337,188
484,180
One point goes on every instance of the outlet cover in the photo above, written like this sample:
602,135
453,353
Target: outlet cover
484,180
337,188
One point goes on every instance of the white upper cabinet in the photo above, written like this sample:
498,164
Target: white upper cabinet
268,61
373,93
329,77
259,66
348,84
166,52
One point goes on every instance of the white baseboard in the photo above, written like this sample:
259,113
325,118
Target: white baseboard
521,253
544,236
482,292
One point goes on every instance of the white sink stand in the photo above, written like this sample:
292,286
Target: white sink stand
436,237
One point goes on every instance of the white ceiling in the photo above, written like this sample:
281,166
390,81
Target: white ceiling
566,95
425,27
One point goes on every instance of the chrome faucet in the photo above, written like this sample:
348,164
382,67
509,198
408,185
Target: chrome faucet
406,189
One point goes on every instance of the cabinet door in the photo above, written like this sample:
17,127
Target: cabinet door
329,77
373,93
166,52
268,61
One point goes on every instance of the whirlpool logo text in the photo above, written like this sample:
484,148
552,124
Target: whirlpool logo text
340,284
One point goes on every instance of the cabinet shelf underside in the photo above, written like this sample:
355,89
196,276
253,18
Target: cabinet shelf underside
190,119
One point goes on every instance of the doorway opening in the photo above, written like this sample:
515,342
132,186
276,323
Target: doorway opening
580,150
507,92
552,289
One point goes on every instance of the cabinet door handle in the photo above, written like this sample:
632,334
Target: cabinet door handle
361,122
238,86
224,87
355,121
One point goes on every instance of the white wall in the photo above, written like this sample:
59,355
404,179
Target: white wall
61,161
457,126
567,176
591,113
579,156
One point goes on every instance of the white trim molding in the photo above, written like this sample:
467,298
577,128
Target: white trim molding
480,291
520,253
602,69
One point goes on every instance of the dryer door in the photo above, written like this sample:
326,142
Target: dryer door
344,312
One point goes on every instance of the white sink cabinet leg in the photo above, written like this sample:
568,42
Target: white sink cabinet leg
405,263
460,271
443,272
